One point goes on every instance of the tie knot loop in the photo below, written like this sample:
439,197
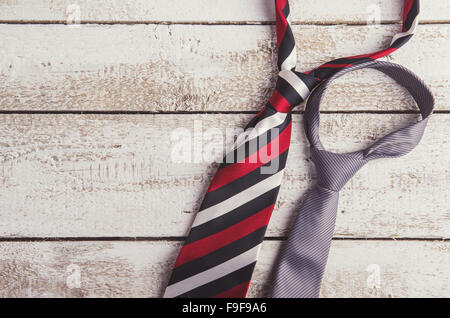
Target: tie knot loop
292,88
333,169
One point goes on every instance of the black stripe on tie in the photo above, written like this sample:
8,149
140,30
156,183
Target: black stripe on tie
233,217
288,92
309,80
412,14
286,9
401,41
286,47
241,184
349,60
218,257
326,72
267,113
222,284
252,146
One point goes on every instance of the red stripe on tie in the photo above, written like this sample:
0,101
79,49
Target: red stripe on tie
238,291
281,21
382,53
262,111
375,55
406,8
234,171
280,5
335,65
209,244
280,103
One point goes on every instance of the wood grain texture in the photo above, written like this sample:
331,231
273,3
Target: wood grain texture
114,175
97,176
213,11
198,67
142,269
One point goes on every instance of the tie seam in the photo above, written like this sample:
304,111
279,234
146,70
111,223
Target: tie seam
318,185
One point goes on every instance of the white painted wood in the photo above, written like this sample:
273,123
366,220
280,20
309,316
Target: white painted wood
213,11
142,269
198,68
113,175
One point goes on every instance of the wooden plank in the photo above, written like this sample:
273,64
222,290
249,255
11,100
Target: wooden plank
114,175
213,11
198,68
142,269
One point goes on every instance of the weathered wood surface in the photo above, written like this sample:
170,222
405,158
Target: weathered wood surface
198,67
213,11
142,269
113,175
97,176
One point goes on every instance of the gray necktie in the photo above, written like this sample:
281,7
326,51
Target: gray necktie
305,253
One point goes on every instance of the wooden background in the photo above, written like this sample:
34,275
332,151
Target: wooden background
91,203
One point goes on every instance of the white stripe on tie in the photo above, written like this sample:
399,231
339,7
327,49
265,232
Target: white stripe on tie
239,199
408,32
290,62
260,128
296,83
213,273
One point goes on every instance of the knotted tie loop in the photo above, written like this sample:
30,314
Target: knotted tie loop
292,88
305,254
395,144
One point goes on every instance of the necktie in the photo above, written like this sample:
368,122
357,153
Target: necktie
220,252
305,254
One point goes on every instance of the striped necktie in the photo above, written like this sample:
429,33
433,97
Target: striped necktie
305,254
220,252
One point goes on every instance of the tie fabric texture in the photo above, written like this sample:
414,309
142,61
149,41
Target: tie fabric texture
220,252
305,254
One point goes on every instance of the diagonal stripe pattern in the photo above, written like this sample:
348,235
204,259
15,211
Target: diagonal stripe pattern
221,250
305,254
